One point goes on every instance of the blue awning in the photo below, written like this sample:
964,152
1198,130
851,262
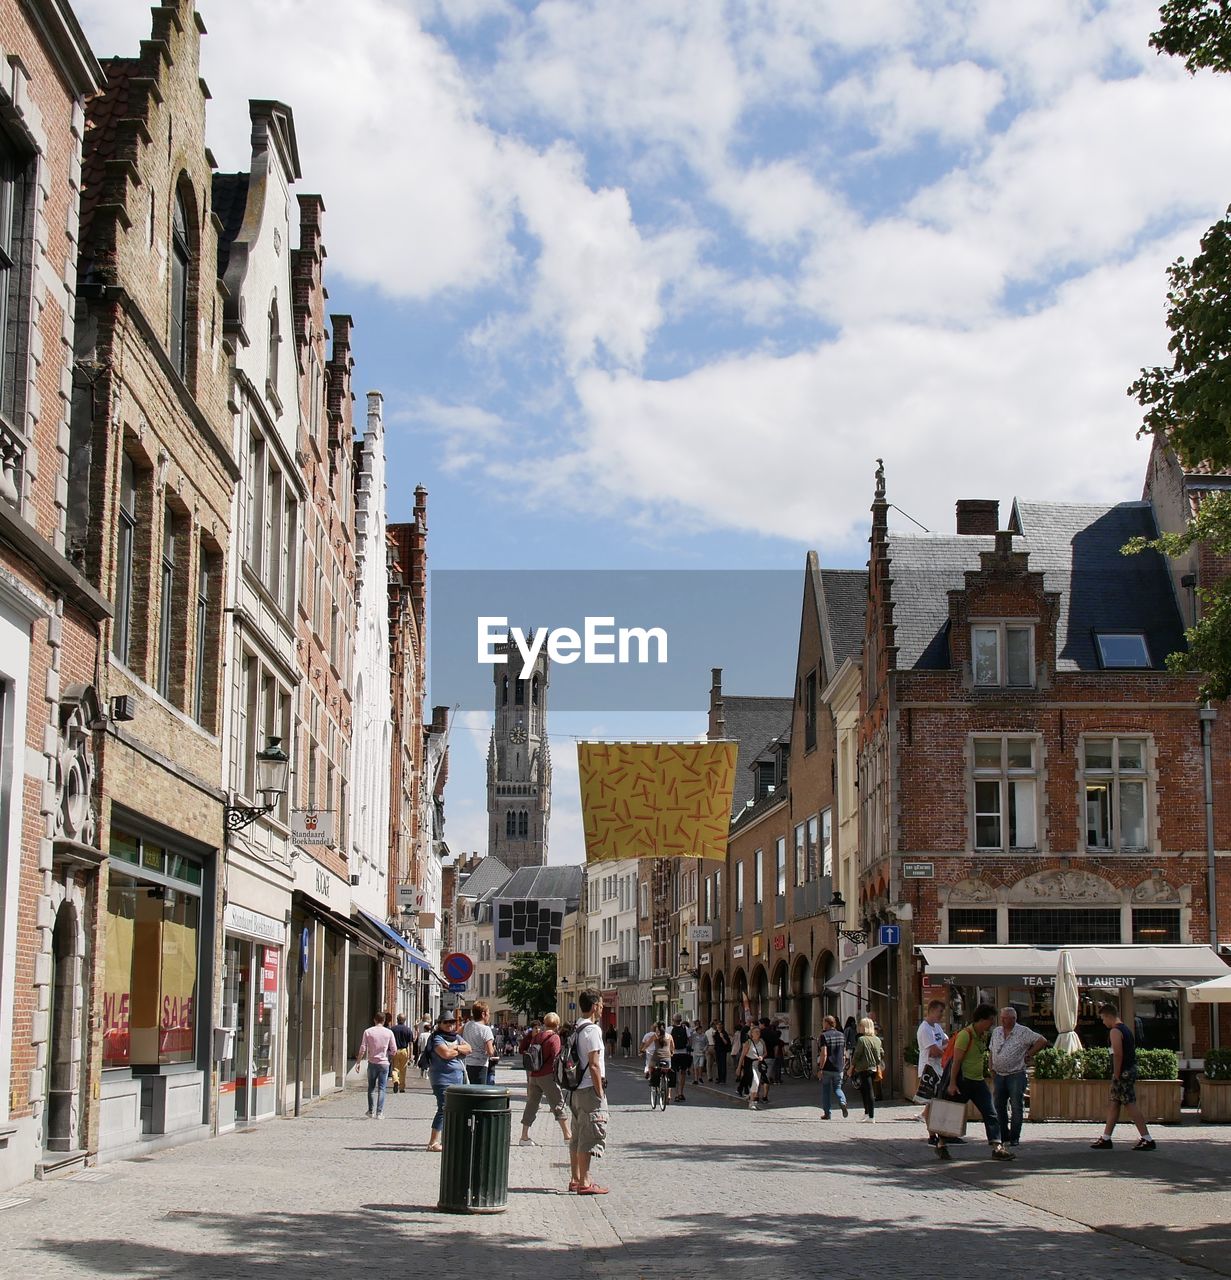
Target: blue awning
383,930
417,957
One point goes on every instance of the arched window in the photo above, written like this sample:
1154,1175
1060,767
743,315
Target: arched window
275,341
510,823
523,824
181,255
519,695
534,692
505,691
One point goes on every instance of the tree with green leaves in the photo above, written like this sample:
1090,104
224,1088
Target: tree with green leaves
1188,402
530,983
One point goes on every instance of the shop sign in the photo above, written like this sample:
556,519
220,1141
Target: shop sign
312,826
427,919
737,951
700,933
253,924
918,871
269,976
779,941
1049,980
756,944
409,897
705,958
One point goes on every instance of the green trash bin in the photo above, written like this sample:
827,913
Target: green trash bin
474,1168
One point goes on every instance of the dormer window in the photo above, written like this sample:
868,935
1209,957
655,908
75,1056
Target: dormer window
1001,654
1122,649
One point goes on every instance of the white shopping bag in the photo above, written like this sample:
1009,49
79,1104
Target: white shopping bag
947,1118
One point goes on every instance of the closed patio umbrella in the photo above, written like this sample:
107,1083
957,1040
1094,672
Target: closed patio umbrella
1064,1005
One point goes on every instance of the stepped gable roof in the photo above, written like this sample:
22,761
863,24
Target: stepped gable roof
546,882
846,602
1077,547
754,723
104,112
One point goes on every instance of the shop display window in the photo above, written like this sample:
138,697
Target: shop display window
151,956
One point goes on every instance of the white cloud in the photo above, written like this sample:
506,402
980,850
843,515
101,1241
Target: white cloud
900,100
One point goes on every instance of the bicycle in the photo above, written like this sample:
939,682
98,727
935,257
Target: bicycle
662,1081
799,1064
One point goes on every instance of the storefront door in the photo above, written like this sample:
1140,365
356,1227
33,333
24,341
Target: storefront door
249,1002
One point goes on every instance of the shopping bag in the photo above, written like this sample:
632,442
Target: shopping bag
928,1083
947,1118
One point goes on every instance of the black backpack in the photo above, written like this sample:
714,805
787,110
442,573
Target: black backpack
569,1068
424,1060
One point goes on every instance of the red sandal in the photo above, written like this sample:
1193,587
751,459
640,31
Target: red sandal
593,1190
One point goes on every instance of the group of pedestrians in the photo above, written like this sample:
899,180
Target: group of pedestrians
958,1068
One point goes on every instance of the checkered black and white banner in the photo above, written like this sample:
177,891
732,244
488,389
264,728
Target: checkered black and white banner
528,924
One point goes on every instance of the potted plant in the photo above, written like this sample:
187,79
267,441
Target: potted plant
1074,1086
1216,1087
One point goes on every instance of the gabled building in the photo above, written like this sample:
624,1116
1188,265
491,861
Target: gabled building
150,488
1030,774
52,614
262,601
782,950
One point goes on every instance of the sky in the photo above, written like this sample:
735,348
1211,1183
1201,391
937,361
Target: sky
651,284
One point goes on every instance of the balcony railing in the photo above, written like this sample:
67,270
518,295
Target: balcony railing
812,898
622,971
780,909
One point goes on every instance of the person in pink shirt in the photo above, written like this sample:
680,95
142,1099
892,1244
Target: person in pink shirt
378,1046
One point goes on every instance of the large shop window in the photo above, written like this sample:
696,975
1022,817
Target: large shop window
1058,927
1156,924
151,961
972,925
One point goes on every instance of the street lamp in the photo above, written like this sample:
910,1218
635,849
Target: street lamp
685,956
273,768
837,918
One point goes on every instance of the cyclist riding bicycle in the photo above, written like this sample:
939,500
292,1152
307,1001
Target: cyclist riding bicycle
659,1057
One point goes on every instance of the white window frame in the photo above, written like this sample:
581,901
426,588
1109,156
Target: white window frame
1115,776
1005,775
739,886
758,878
1001,627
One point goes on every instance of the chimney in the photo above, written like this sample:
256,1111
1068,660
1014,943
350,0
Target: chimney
978,515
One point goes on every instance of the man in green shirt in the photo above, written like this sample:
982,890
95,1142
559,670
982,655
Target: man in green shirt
968,1072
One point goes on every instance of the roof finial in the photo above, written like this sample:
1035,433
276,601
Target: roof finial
880,477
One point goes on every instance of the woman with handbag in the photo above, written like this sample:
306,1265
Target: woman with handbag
751,1064
867,1065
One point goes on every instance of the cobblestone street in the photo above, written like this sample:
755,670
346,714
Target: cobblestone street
691,1191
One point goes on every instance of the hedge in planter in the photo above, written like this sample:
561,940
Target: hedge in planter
1216,1086
1072,1086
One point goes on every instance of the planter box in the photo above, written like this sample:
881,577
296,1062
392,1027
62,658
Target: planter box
1215,1101
1159,1100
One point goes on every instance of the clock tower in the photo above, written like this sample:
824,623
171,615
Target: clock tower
519,763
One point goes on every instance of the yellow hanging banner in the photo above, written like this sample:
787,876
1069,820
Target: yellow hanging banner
656,799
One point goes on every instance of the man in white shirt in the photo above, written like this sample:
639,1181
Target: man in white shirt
482,1041
1012,1048
932,1038
589,1100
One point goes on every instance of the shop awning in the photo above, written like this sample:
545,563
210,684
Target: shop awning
1216,991
1122,965
387,934
849,971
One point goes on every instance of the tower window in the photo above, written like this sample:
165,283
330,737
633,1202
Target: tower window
534,692
504,696
523,824
519,695
510,823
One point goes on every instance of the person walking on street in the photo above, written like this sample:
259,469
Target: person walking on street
541,1079
626,1042
588,1101
966,1075
681,1059
698,1047
1012,1047
405,1037
481,1060
378,1046
932,1038
751,1064
1123,1083
867,1061
425,1034
609,1039
722,1048
831,1065
446,1052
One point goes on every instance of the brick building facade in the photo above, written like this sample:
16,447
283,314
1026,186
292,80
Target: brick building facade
150,491
51,616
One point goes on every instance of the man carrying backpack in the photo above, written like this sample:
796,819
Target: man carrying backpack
588,1100
541,1048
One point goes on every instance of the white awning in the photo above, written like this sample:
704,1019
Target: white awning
1123,965
1217,991
846,975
